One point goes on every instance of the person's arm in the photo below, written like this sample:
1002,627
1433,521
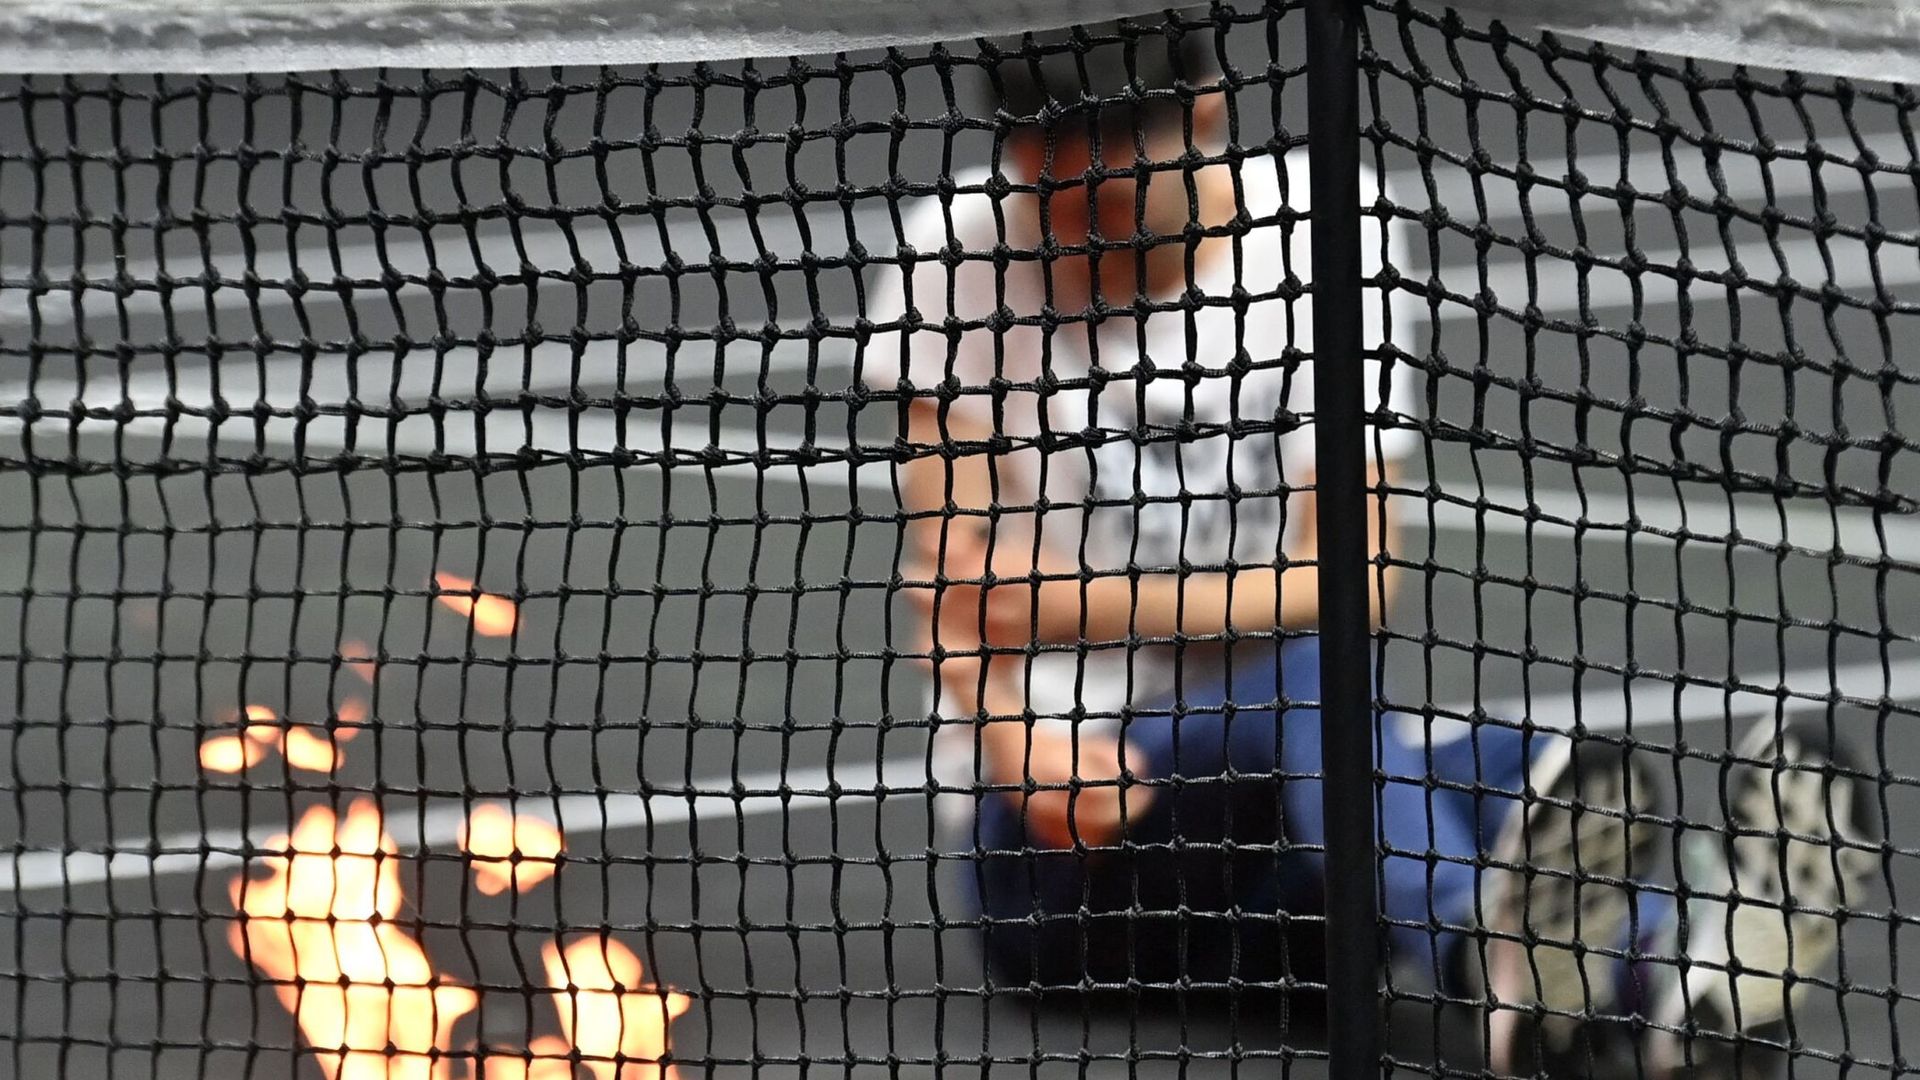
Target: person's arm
947,537
944,494
1077,775
1110,607
1082,796
1262,598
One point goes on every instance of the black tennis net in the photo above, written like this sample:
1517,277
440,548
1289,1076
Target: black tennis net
770,566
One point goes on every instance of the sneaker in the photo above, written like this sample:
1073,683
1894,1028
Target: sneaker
1562,878
1765,898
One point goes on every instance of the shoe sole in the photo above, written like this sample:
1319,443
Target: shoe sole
1561,888
1783,862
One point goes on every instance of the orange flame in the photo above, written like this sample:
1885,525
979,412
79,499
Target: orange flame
509,850
550,1062
353,714
360,989
617,1024
359,659
493,616
362,992
305,750
230,754
303,746
261,726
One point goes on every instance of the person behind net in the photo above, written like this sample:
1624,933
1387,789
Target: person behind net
1104,334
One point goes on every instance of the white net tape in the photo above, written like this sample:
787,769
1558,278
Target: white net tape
1876,39
58,36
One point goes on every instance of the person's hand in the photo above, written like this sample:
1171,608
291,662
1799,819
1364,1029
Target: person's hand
1059,609
1080,796
1084,798
1036,596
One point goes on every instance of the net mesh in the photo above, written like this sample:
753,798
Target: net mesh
1666,509
774,566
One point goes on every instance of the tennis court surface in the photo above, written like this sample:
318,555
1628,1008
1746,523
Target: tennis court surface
387,455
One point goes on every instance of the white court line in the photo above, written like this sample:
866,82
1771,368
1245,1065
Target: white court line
1558,279
1709,517
506,431
544,244
1506,278
1657,707
387,381
438,827
1646,170
1705,513
383,380
1651,705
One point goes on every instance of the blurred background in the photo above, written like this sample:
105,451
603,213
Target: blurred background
279,351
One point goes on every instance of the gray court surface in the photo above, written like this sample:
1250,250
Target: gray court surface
706,689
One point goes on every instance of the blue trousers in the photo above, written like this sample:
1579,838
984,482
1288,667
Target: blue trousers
1231,848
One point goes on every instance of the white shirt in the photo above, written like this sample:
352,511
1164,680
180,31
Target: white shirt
1197,401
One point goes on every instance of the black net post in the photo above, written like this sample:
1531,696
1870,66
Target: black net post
1333,143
